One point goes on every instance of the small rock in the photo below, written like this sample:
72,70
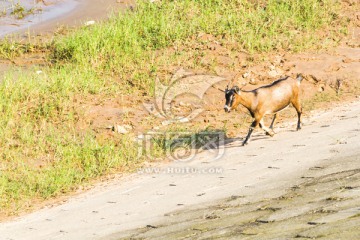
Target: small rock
120,129
253,81
245,75
342,141
321,88
166,122
184,120
273,73
88,23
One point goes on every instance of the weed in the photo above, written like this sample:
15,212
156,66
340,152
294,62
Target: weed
322,97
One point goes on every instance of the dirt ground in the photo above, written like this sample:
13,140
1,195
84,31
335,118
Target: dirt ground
323,205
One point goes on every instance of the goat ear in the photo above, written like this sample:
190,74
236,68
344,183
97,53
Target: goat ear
237,89
299,77
218,89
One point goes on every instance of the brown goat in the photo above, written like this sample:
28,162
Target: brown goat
268,99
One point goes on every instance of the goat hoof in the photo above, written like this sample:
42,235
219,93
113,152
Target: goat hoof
271,134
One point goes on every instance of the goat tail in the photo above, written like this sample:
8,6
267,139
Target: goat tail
299,77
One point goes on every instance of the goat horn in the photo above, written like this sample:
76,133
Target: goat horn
230,81
218,89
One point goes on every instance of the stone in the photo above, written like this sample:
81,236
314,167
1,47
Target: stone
120,129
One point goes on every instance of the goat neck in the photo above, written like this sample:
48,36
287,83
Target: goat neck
245,98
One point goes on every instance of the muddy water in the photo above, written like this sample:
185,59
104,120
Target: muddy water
34,11
55,13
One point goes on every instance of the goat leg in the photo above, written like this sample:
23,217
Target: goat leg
251,129
298,108
268,131
298,123
272,122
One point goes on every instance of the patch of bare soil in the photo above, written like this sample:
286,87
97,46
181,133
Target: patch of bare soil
329,77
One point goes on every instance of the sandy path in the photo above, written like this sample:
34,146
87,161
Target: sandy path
323,204
264,169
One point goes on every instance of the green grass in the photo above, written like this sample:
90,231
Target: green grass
43,152
127,44
17,10
318,99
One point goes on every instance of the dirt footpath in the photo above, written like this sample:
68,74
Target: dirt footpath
323,205
294,185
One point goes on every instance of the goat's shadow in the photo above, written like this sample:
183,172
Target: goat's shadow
213,140
221,141
238,141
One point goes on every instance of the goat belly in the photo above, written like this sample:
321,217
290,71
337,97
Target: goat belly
280,109
275,106
275,110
